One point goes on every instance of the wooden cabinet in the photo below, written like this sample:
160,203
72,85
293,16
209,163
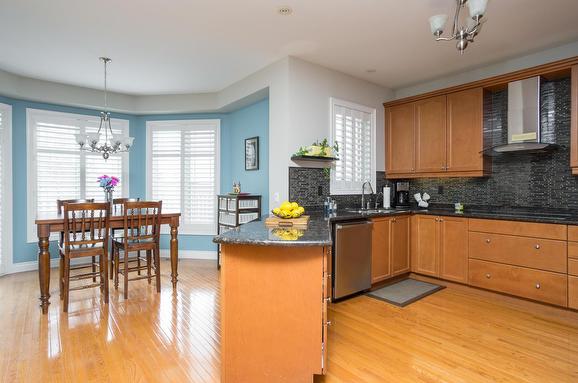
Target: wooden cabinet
430,131
453,254
465,133
424,250
438,136
400,139
380,249
440,247
400,233
390,247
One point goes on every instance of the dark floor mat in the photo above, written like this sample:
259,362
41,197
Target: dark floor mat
405,292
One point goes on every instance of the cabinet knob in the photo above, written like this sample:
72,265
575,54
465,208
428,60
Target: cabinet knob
393,220
443,168
441,219
537,247
413,169
488,276
437,219
328,299
328,323
488,240
538,286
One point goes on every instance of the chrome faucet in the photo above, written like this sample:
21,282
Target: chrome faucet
363,205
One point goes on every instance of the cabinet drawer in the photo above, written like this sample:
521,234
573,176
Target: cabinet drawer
573,267
543,254
573,292
524,229
542,286
572,233
573,250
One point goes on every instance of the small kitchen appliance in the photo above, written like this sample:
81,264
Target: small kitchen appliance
402,193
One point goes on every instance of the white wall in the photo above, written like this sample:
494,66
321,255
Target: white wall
503,67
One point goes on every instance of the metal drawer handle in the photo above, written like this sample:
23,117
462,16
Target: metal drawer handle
537,247
488,240
538,286
488,275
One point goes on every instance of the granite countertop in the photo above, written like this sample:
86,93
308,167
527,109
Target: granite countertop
318,233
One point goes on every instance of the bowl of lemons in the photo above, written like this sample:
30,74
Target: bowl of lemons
288,210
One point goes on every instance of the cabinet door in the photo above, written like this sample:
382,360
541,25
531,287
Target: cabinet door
380,249
430,130
574,120
425,244
400,233
399,123
453,244
465,131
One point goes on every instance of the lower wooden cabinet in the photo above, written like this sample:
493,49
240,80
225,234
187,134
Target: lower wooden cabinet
573,292
440,247
390,247
538,285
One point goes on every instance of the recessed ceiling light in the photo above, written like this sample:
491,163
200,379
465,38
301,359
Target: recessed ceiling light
285,10
371,71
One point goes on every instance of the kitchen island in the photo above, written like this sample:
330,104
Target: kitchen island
274,292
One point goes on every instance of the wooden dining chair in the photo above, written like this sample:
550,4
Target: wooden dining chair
59,207
86,233
118,208
141,232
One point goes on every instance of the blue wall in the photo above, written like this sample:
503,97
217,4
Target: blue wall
250,121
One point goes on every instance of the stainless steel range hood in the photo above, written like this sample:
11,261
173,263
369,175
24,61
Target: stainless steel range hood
524,118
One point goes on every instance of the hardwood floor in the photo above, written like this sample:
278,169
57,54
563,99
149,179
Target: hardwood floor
456,335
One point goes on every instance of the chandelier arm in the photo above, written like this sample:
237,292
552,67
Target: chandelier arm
456,17
446,38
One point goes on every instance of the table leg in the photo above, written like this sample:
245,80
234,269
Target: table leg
44,266
174,251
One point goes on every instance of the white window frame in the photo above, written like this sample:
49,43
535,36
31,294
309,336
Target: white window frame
353,187
32,115
6,202
191,125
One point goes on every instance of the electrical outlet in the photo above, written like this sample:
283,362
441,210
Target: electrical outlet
440,189
319,190
276,197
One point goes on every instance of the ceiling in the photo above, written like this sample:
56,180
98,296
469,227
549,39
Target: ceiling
195,46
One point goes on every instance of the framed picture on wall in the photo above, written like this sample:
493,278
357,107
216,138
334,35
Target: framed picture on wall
252,153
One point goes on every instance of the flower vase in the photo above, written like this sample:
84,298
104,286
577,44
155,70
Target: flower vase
108,196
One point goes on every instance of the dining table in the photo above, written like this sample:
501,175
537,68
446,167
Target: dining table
54,223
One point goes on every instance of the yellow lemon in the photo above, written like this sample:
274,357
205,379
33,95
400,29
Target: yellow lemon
286,205
276,211
294,205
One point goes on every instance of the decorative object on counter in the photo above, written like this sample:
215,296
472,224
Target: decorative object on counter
236,187
252,153
112,144
289,210
422,201
108,183
291,234
300,223
329,206
387,197
459,207
463,34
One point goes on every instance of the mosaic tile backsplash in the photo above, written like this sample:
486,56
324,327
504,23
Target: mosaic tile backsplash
517,180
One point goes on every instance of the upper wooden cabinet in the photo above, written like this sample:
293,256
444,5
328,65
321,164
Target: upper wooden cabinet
430,131
439,136
400,139
465,132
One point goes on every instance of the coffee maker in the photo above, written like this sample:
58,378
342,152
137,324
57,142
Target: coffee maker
401,194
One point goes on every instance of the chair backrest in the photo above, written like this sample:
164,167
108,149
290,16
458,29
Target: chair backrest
86,223
60,203
142,220
118,203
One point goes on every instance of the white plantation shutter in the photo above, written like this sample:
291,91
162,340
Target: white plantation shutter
183,160
5,185
58,169
353,129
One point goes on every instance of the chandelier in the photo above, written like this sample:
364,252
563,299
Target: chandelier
464,34
112,144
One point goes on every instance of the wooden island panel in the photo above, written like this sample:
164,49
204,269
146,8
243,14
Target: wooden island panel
272,313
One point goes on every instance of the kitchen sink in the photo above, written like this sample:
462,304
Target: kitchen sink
373,211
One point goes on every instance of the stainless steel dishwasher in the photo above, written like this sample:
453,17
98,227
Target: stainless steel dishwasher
352,258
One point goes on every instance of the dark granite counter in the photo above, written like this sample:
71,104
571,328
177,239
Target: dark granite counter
318,232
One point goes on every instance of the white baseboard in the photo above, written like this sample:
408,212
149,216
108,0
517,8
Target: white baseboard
21,267
191,254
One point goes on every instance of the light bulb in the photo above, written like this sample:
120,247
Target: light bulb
477,7
437,23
